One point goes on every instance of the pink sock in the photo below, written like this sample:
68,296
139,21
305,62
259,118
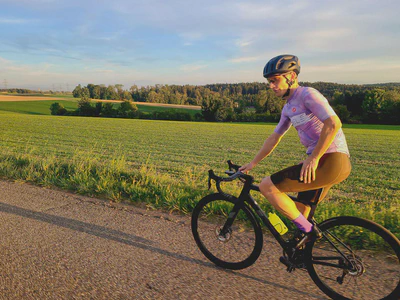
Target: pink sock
303,224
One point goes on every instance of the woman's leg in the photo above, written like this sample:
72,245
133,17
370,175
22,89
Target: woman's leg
284,204
304,209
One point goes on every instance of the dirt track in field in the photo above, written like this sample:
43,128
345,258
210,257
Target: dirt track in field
8,98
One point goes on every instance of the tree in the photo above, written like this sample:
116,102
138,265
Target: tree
108,110
84,104
267,101
96,93
110,93
119,90
77,92
354,102
135,92
372,105
338,98
98,108
216,108
342,111
85,94
126,96
91,87
390,108
57,109
127,109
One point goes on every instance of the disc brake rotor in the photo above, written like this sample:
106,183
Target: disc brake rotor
223,237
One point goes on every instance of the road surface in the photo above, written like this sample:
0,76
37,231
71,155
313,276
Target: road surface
58,245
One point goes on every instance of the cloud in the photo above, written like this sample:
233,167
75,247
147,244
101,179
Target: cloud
243,43
14,21
341,37
326,39
192,67
244,59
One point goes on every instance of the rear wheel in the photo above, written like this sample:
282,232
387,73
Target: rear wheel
238,247
355,259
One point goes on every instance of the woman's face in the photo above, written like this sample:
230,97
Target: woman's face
279,83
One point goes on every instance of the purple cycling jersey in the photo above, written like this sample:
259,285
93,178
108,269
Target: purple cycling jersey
307,109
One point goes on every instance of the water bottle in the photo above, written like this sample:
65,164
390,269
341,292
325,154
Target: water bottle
277,223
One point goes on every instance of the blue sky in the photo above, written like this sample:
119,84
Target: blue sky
56,44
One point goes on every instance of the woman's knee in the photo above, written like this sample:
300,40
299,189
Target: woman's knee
267,186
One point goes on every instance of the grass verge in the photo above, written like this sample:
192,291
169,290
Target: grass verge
113,180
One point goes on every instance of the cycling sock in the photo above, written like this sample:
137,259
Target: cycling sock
303,224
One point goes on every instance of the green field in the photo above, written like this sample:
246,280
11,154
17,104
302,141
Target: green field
36,107
43,107
164,163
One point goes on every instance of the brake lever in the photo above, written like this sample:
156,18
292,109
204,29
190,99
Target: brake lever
211,175
232,166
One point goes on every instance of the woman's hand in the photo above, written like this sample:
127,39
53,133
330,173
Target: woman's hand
307,173
247,168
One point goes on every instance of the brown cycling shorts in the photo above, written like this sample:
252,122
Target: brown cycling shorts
332,169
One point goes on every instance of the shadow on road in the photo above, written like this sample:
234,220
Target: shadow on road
125,238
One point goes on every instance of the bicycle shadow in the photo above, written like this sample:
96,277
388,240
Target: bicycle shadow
127,239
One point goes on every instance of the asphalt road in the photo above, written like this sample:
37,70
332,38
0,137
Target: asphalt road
58,245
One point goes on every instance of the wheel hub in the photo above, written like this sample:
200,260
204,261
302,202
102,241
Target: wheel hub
358,267
223,237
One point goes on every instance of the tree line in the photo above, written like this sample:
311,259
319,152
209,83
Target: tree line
252,102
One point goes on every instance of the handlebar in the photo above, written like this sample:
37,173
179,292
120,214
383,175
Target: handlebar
233,173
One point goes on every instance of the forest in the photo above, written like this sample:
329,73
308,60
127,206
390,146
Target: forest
243,102
252,102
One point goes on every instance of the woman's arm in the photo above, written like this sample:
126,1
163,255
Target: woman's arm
328,134
269,145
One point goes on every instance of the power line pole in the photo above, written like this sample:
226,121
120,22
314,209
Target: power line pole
5,84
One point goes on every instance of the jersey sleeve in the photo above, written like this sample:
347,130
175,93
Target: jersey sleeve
283,125
318,105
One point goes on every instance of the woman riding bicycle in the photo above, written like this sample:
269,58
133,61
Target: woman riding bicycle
319,129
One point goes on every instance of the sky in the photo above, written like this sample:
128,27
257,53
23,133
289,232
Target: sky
58,44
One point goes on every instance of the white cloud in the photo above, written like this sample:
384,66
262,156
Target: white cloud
192,67
326,39
13,21
243,43
244,59
337,37
370,70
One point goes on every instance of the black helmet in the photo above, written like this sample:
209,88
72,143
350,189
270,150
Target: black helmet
282,64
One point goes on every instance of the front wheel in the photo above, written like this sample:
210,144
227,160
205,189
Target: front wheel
236,248
355,259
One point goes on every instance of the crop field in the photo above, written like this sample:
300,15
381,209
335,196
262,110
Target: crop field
42,107
164,164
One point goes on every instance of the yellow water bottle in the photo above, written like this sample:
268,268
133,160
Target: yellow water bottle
277,223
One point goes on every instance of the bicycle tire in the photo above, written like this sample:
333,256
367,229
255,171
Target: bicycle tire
235,251
374,259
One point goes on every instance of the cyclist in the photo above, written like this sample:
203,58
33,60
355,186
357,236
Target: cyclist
319,129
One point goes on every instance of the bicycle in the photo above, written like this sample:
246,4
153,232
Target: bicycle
350,258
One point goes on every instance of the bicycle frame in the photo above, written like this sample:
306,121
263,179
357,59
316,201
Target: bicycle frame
330,252
246,197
